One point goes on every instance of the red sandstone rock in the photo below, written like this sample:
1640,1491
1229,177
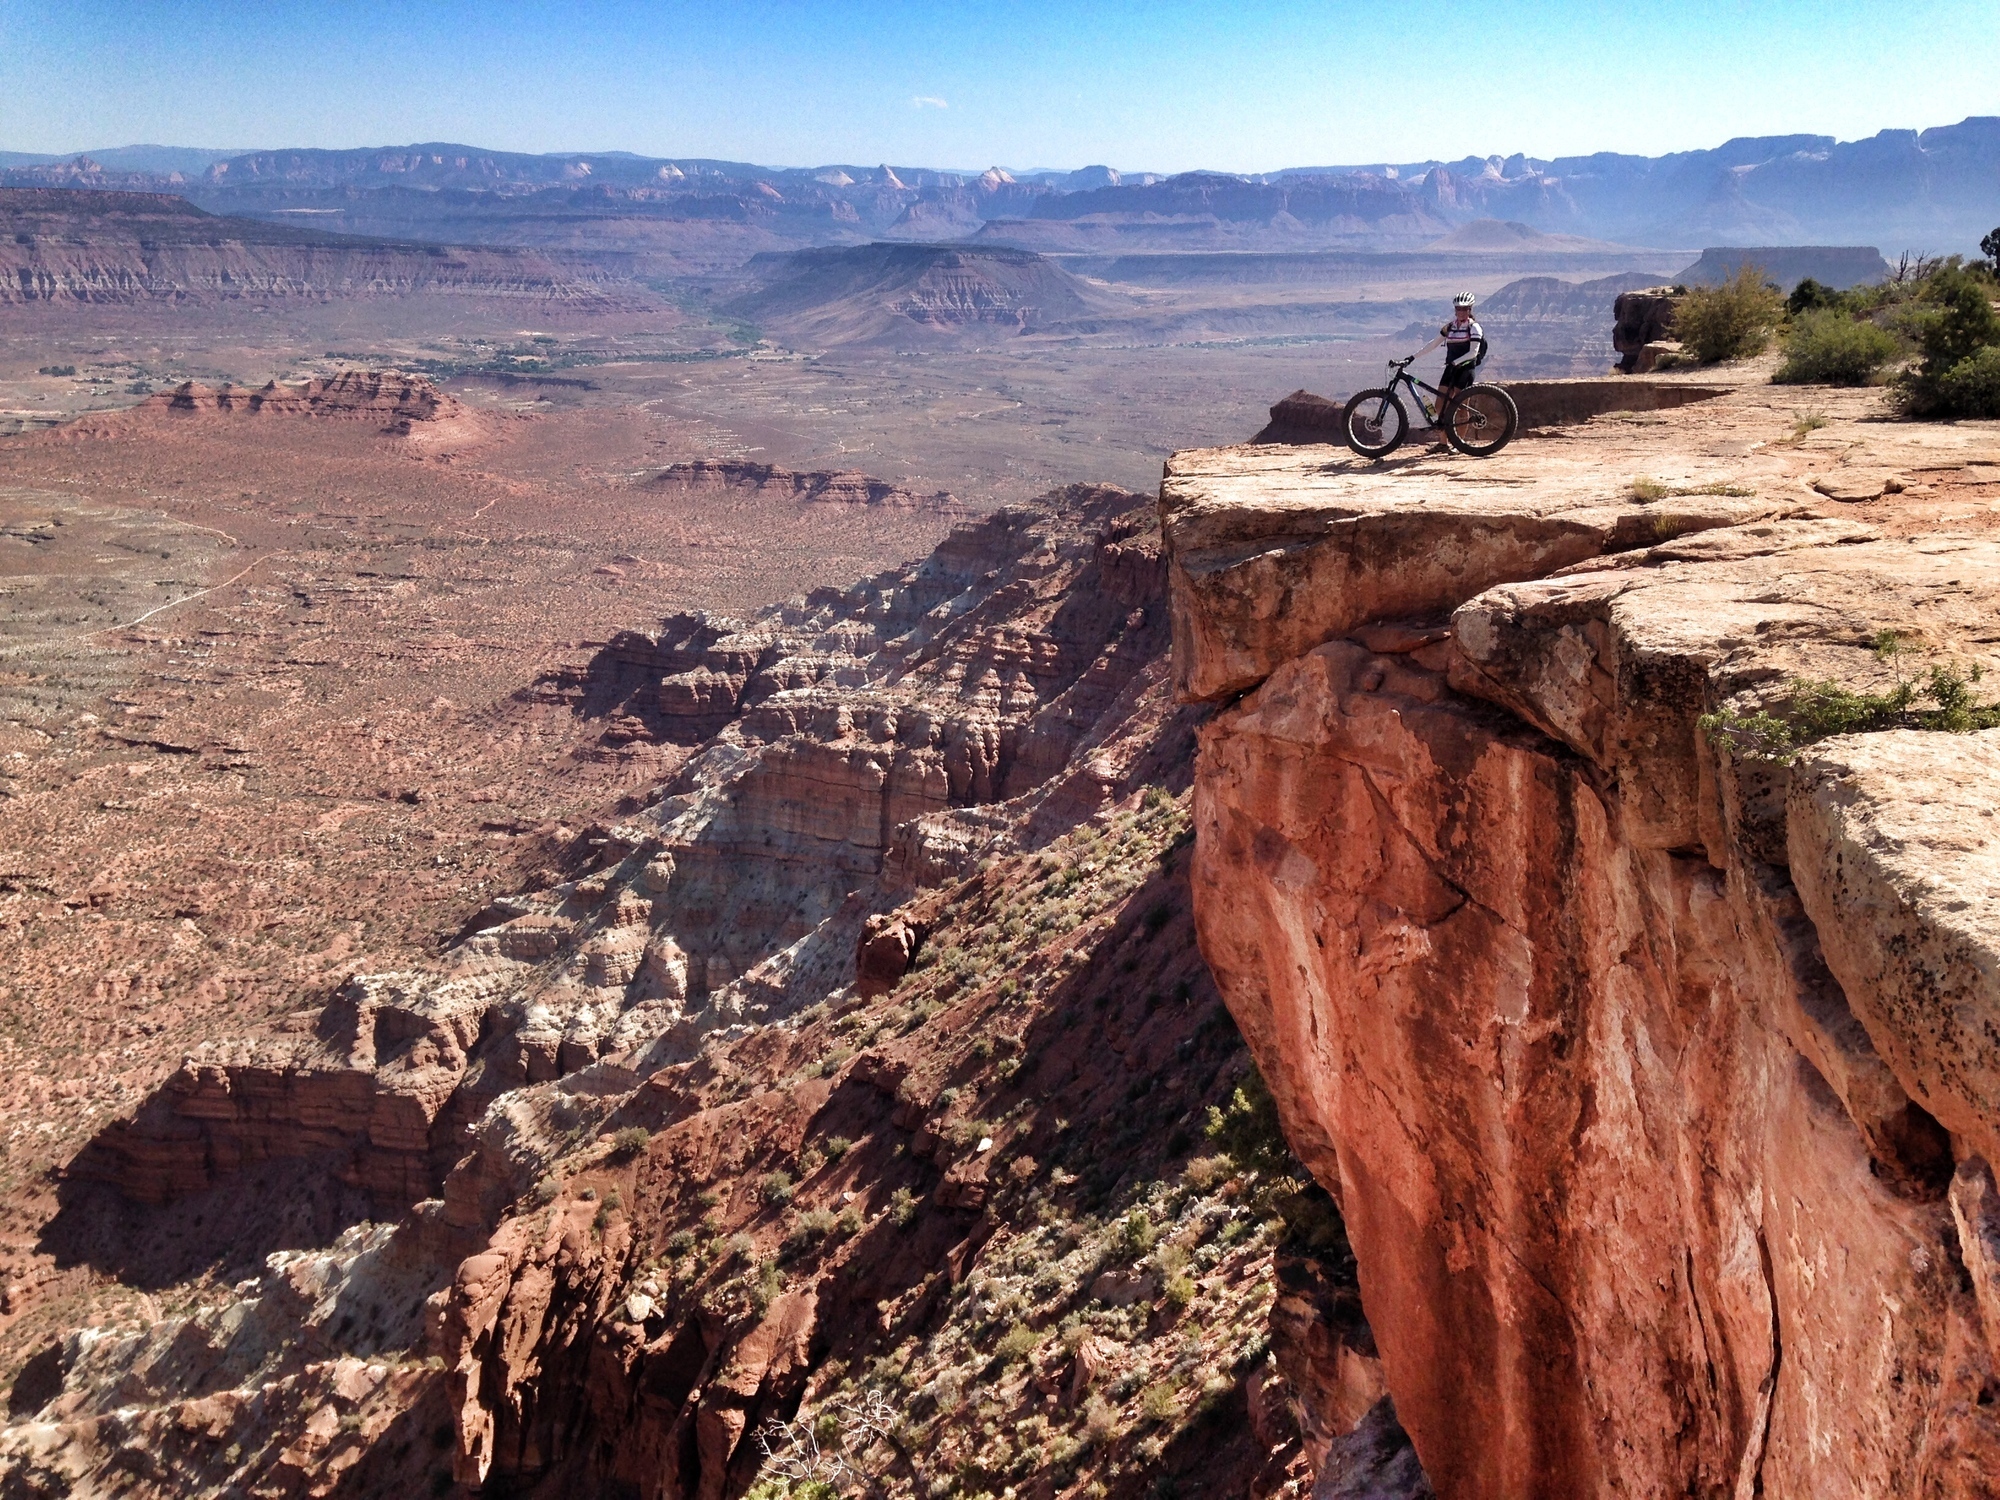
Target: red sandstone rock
1621,1156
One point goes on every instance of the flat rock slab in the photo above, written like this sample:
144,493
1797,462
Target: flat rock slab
1276,550
1894,842
1858,485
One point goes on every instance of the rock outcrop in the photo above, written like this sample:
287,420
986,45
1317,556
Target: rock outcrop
1641,318
391,398
828,487
1653,1078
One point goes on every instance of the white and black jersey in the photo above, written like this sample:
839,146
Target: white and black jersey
1458,341
1464,348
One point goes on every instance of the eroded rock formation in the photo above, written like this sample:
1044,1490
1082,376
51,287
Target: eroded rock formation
828,487
390,397
705,1133
1652,1077
855,745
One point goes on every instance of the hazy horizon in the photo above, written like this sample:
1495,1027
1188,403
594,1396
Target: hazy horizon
1256,89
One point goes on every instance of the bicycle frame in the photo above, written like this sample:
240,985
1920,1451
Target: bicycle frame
1432,414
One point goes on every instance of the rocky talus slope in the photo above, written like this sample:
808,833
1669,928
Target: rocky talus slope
859,1074
1650,1059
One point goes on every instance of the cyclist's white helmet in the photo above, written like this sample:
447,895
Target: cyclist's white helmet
1463,299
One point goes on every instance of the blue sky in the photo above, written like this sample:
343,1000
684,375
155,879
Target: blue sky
1166,87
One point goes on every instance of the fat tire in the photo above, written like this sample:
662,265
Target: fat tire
1510,421
1397,412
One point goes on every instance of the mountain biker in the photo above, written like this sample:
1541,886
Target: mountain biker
1458,337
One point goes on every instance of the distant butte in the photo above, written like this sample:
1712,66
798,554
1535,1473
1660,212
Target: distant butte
838,487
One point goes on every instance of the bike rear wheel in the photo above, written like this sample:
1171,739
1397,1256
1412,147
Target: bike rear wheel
1375,423
1480,420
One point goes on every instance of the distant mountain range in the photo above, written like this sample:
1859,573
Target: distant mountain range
1935,190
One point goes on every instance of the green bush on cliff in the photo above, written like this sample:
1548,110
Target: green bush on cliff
1731,321
1942,700
1828,347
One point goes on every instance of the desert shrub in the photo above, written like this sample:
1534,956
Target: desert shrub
57,370
630,1141
680,1242
1159,1402
1180,1291
1813,296
812,1226
777,1188
547,1189
1100,1420
1954,324
1249,1132
764,1291
1017,1342
1830,348
1816,710
1971,388
1137,1234
1731,321
836,1146
902,1207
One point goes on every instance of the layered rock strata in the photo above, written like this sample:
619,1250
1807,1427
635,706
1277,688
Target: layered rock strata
390,397
1652,1078
823,486
72,246
856,746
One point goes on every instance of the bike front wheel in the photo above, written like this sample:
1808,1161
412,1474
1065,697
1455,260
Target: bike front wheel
1480,420
1375,423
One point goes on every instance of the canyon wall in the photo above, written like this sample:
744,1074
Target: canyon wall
863,1060
1651,1067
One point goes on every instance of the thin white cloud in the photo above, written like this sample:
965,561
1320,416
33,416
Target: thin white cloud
928,101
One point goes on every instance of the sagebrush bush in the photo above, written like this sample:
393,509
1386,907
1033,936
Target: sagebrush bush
630,1141
1017,1342
1971,388
1731,321
1828,347
1955,326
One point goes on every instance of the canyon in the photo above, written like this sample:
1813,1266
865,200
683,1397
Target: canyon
892,1046
658,904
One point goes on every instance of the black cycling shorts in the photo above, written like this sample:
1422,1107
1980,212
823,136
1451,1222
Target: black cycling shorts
1456,377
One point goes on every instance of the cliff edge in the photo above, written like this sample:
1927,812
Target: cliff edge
1649,1055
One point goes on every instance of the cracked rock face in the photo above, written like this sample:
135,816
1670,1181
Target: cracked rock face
1655,1083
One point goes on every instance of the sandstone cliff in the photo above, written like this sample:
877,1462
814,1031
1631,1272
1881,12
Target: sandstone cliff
1653,1078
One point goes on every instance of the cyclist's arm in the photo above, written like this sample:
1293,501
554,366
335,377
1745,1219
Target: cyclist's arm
1428,347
